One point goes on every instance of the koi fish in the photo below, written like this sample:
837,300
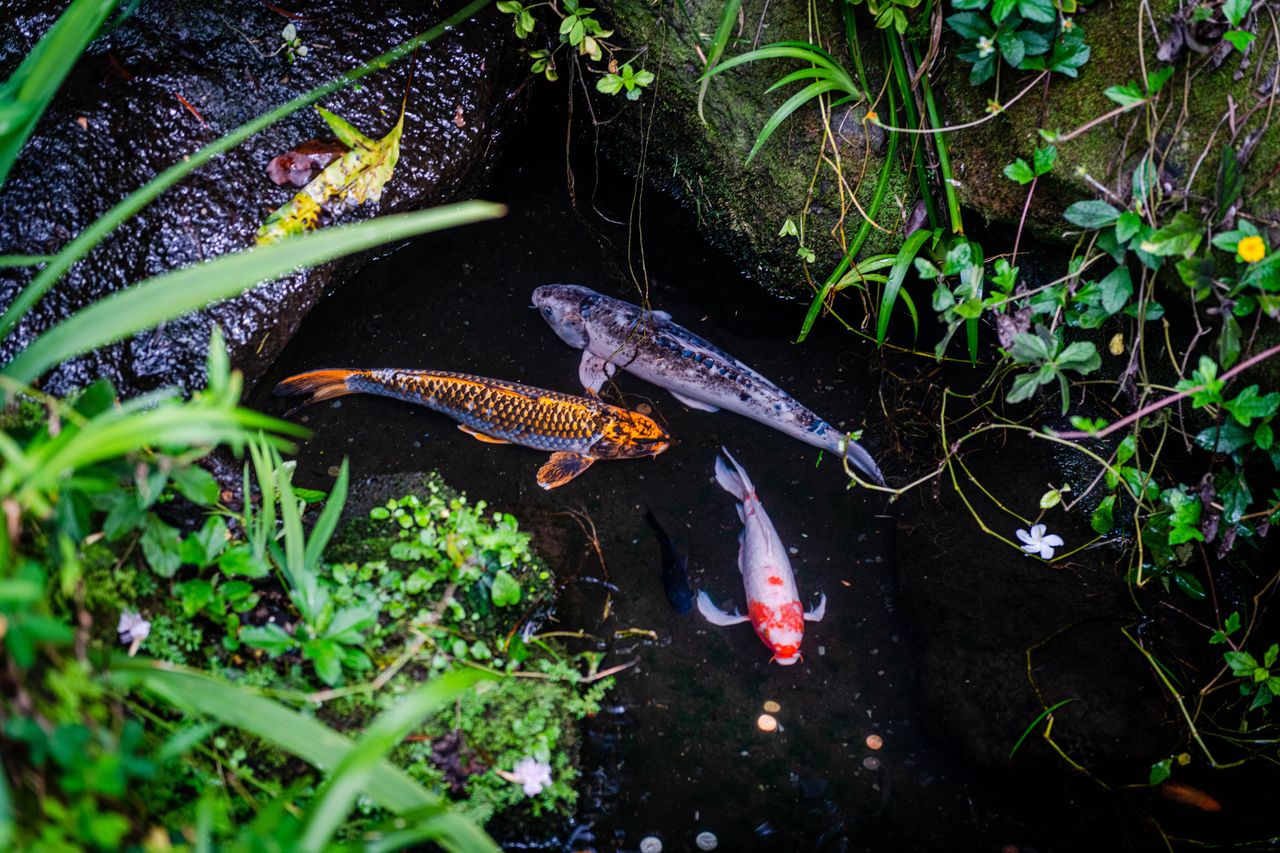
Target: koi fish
675,569
577,430
773,604
613,334
1189,796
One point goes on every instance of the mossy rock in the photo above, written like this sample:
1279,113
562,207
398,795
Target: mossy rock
741,206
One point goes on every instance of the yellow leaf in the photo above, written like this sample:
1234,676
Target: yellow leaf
1116,347
356,177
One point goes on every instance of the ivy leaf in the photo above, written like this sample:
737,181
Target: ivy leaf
1233,492
1205,377
1229,627
1103,519
1044,159
1229,341
353,179
1184,521
1227,438
1160,771
1248,404
1236,10
1091,214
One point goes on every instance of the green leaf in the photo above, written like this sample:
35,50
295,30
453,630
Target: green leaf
1236,11
1091,214
893,287
1242,663
1184,522
1041,11
1226,438
1248,404
1188,582
728,19
1103,520
1230,180
1000,9
970,25
1044,159
1069,54
1019,171
162,546
173,294
196,485
240,560
1182,237
1127,226
1029,348
1160,771
1081,356
1117,288
1127,95
506,589
1240,39
270,637
1234,495
1024,385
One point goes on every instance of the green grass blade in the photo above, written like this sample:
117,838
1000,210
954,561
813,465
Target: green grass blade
173,294
811,71
6,814
27,93
24,260
782,50
901,264
144,195
334,801
728,16
1046,712
789,106
322,532
312,741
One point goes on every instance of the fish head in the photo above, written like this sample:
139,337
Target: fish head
631,435
786,655
561,306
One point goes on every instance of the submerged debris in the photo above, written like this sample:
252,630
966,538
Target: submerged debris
451,755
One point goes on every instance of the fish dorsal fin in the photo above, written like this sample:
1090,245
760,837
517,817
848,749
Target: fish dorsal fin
694,404
561,468
479,436
594,371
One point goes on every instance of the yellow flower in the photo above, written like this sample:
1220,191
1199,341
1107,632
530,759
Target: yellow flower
1251,249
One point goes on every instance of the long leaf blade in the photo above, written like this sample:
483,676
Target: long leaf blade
173,294
335,799
322,532
789,106
728,15
910,248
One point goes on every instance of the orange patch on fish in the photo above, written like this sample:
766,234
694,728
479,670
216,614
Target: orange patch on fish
775,580
1188,796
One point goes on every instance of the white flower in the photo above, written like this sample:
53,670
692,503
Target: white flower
530,773
1038,543
133,629
986,47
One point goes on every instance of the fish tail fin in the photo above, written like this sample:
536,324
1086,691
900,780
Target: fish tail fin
318,384
734,481
861,459
651,519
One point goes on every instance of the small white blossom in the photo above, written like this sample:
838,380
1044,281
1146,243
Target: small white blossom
1038,543
133,629
531,774
986,47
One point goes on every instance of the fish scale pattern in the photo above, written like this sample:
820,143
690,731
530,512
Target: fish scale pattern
533,417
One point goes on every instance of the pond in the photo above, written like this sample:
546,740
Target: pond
679,751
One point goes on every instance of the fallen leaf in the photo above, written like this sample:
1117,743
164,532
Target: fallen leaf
297,165
458,120
352,179
83,122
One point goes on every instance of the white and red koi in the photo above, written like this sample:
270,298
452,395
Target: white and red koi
773,604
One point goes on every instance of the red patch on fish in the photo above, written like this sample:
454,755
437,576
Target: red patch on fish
775,580
786,652
761,615
790,616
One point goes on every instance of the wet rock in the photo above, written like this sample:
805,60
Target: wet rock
176,76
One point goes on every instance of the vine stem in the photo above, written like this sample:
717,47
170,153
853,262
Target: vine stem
1167,401
966,125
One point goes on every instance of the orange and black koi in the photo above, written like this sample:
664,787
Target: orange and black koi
577,430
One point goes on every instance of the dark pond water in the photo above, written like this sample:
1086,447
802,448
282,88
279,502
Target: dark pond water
680,753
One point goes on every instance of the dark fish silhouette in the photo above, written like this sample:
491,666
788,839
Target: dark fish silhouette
675,569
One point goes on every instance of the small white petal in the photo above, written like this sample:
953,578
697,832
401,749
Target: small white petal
1053,540
1037,531
1046,551
1025,537
1032,549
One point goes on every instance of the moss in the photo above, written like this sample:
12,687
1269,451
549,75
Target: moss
741,206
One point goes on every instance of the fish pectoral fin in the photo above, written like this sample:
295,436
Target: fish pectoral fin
594,371
816,614
561,468
695,404
715,615
479,436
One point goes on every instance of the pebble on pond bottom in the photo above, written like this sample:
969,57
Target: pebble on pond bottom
707,841
871,763
772,707
650,844
767,723
874,742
